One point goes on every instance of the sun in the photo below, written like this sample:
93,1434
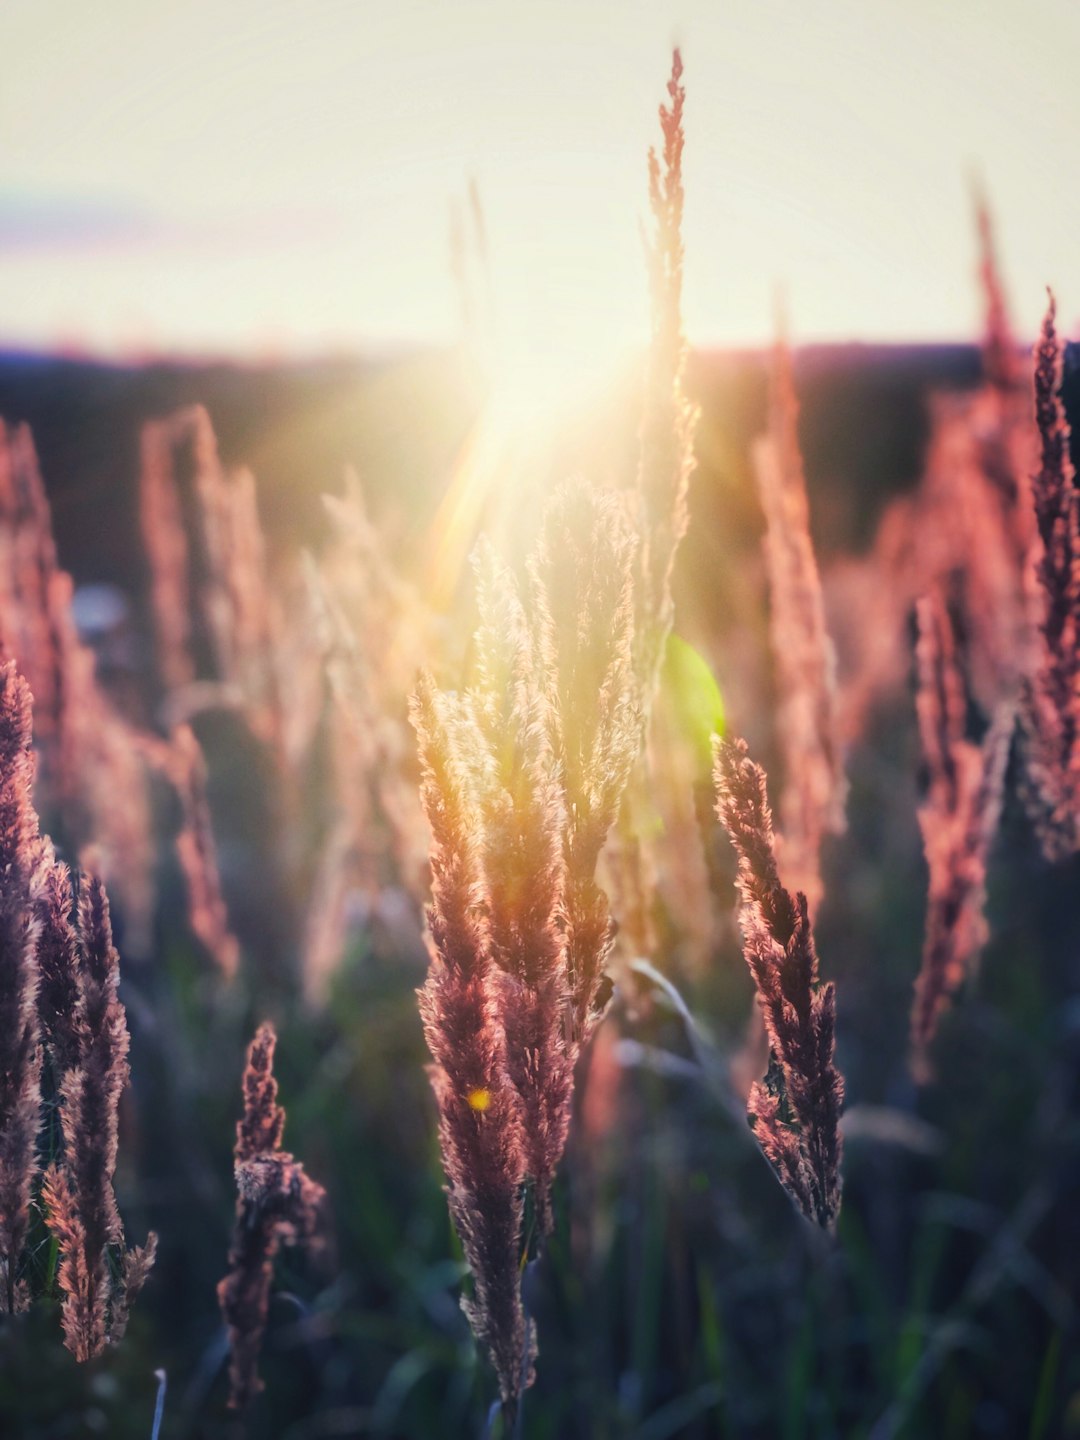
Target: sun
539,378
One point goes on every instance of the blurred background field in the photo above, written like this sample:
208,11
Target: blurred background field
682,1295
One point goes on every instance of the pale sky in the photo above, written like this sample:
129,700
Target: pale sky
248,176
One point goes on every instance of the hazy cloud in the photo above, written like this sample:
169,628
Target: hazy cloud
39,222
33,223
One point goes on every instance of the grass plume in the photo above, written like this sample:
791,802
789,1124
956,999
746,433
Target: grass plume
277,1204
20,1050
91,1069
1050,711
795,1110
812,801
958,818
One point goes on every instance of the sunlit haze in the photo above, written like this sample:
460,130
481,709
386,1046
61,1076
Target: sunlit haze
278,179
